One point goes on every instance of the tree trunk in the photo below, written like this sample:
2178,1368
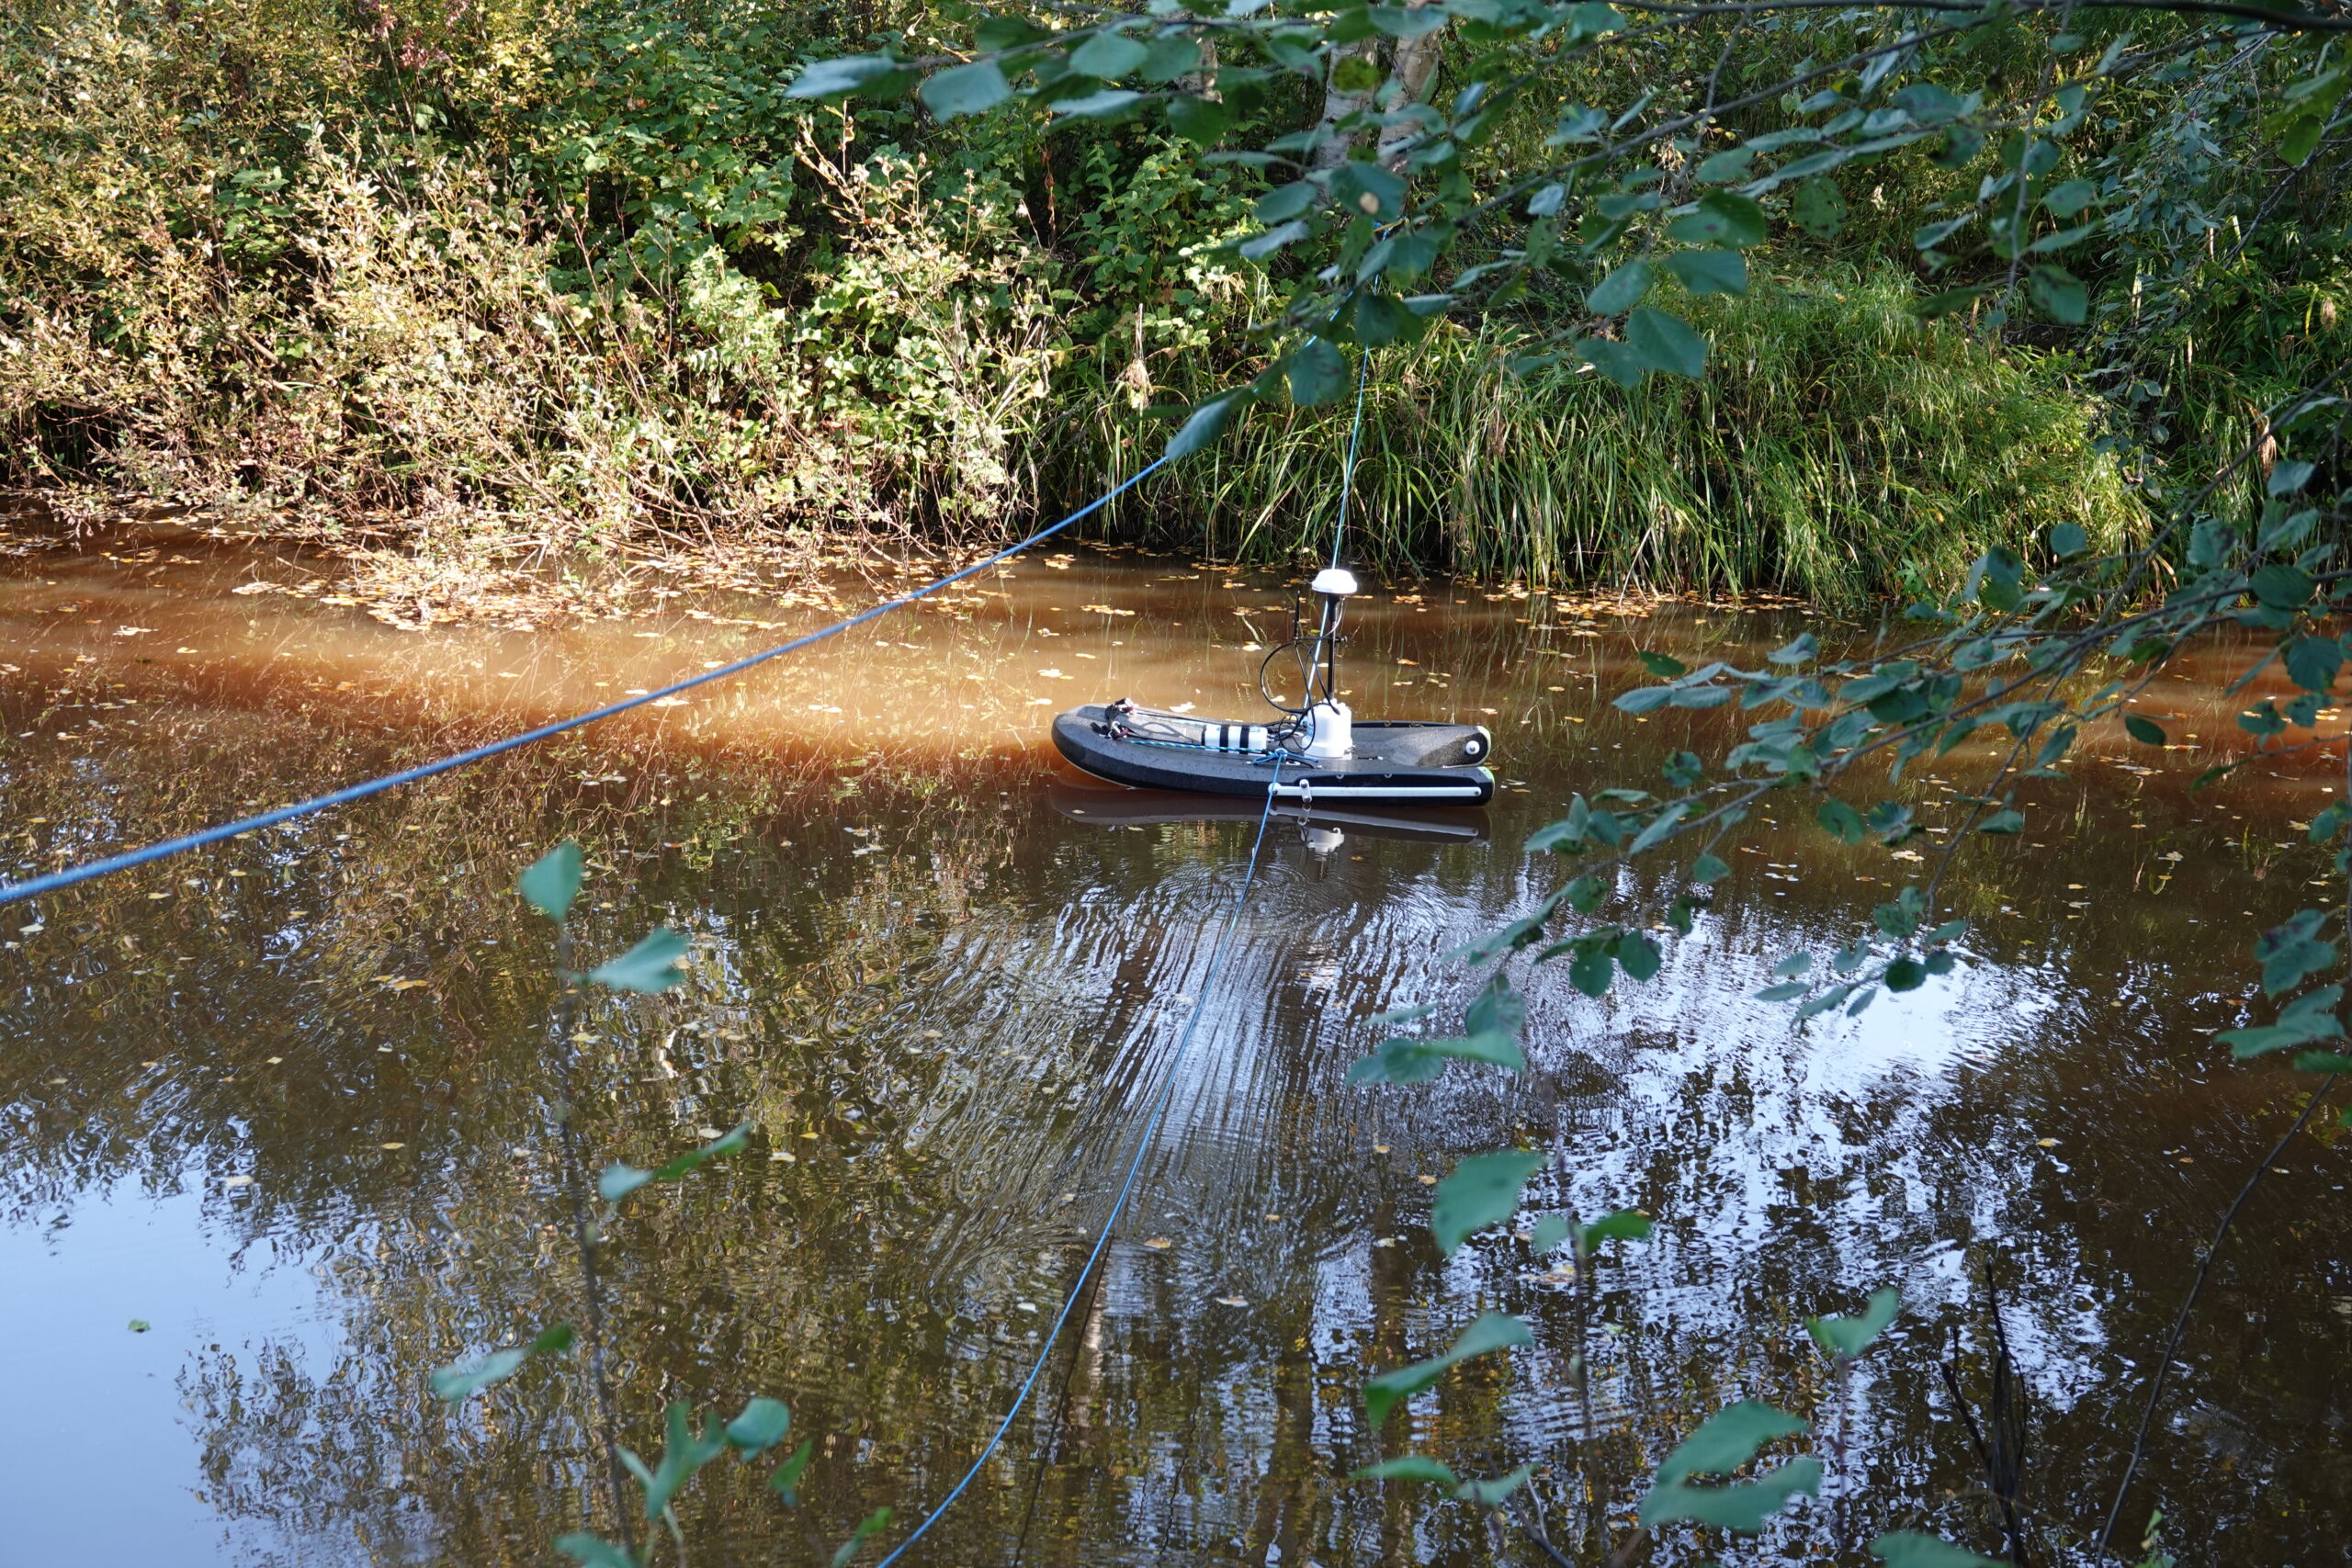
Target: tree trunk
1414,67
1332,149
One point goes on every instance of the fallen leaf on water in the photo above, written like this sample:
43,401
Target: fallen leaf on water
1159,1244
1426,1180
391,1146
1232,1302
2046,1143
1274,1219
786,1156
708,1134
140,1325
404,985
237,1181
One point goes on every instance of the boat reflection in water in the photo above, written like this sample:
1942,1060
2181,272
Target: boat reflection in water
1323,829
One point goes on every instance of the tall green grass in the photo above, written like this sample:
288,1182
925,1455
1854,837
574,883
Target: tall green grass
1838,449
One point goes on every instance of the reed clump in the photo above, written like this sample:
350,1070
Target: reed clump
1838,448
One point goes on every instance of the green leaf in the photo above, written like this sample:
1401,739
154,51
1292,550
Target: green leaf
462,1379
1495,1331
1666,343
1096,105
650,966
2312,662
833,79
1624,1224
1109,56
1818,207
2068,198
1496,1490
2068,540
2008,821
2280,586
874,1524
965,89
1724,217
2292,950
1709,869
1317,373
1849,1336
593,1551
1841,821
1206,422
1743,1506
619,1180
1905,975
1619,365
1729,1439
1198,120
1369,189
1621,290
1909,1549
687,1451
552,881
1709,271
1409,1467
760,1426
1418,1061
1636,954
1483,1190
2301,138
1590,972
1550,1231
1498,1011
2147,732
2060,294
1664,664
786,1482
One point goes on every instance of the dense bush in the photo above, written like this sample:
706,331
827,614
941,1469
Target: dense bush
549,272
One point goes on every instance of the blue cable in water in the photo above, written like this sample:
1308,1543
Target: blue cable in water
34,886
1168,1086
1126,1187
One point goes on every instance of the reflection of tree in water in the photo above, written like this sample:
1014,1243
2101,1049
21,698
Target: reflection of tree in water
873,1280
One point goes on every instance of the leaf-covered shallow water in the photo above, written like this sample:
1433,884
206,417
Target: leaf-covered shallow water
289,1102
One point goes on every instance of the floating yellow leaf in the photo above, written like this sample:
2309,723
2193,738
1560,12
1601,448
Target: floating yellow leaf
1159,1244
1232,1300
391,1146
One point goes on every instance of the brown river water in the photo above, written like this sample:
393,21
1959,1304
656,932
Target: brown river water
288,1102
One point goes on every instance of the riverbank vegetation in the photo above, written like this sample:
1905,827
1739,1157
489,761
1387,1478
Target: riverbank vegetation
554,274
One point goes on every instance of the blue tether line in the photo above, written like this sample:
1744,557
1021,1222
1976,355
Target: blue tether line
1168,1084
1126,1186
1347,474
32,887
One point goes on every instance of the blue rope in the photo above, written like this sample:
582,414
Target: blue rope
1126,1187
1347,475
1168,1086
33,888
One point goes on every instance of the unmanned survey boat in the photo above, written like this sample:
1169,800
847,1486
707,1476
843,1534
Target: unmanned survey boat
1318,752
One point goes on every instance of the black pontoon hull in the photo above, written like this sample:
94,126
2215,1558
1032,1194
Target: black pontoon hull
1395,764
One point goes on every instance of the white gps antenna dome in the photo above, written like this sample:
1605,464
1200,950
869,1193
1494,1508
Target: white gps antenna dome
1337,581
